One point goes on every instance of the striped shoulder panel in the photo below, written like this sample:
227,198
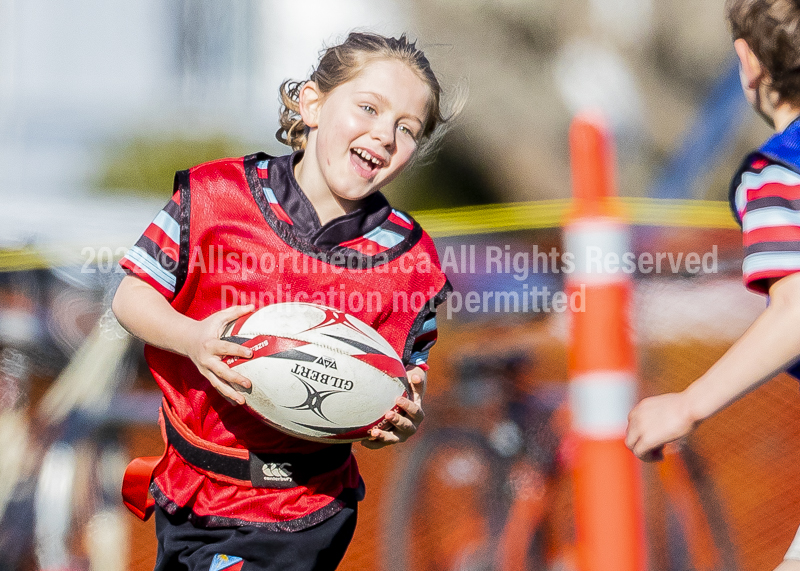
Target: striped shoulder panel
154,258
774,181
392,232
262,169
768,203
424,341
423,332
400,219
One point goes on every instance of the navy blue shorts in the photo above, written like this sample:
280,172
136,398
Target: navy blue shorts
183,547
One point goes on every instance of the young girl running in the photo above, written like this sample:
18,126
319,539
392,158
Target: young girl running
365,113
765,196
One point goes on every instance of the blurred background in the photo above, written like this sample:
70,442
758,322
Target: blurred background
100,103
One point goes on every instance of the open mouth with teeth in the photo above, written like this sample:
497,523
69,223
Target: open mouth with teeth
365,163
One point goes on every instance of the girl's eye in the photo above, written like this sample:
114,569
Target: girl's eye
407,131
369,109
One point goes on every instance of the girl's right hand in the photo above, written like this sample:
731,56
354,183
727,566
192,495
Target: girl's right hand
206,350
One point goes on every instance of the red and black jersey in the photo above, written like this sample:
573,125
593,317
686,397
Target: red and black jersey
240,231
373,228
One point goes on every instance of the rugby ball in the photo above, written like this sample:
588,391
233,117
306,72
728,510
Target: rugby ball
317,373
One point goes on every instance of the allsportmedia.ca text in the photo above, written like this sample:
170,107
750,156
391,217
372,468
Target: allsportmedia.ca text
463,259
214,259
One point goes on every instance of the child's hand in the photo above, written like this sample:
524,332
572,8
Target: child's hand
657,421
206,350
406,424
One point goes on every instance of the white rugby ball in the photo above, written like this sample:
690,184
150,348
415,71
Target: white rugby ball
317,373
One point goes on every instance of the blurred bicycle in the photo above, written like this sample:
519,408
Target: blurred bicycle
491,489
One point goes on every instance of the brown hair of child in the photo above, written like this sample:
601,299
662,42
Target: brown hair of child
772,30
342,63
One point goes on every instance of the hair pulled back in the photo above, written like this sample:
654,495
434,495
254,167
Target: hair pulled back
342,63
772,30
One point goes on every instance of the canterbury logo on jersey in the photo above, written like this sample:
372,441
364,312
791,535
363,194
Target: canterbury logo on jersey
276,471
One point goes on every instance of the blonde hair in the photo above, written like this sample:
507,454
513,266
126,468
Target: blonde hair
340,64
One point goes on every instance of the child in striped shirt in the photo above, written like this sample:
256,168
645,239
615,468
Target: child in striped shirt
765,198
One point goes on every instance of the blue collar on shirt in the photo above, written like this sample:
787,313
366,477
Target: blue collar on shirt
784,147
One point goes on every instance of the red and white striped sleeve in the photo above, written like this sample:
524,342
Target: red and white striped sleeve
155,256
424,339
767,200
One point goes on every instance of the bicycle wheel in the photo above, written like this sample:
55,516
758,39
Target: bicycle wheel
448,508
686,518
534,537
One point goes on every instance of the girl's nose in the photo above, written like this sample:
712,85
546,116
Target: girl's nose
384,132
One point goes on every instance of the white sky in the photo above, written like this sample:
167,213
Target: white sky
75,74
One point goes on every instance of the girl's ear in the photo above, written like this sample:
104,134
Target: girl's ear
751,70
310,102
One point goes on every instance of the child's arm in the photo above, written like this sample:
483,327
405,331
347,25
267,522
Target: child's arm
769,346
147,314
405,425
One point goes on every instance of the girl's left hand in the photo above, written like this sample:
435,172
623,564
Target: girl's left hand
657,421
407,423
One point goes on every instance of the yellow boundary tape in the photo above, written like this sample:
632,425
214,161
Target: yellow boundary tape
550,214
472,220
24,259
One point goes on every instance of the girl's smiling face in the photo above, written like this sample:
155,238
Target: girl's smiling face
363,133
